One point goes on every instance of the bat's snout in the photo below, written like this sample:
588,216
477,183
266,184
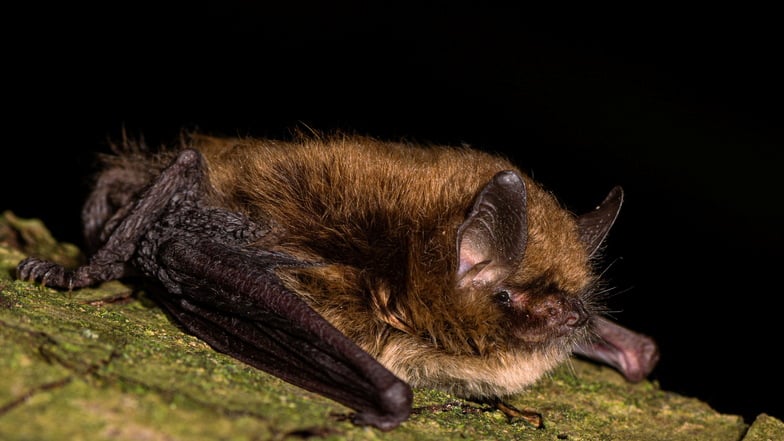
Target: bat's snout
557,311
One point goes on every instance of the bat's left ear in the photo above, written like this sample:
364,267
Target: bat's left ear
594,226
491,241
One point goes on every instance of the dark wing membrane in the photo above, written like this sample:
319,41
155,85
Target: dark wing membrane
232,300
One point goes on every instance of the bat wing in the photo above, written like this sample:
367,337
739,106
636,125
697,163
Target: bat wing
225,291
634,355
230,298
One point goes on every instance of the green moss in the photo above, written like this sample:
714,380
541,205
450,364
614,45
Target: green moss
106,363
31,237
765,428
84,410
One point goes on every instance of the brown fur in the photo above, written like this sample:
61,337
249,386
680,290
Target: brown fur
382,220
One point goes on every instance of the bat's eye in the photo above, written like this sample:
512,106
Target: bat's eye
503,297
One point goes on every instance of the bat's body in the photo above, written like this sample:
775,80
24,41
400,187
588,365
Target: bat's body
449,267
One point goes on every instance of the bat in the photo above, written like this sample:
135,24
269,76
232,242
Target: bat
358,268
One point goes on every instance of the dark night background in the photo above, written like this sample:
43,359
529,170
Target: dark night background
682,109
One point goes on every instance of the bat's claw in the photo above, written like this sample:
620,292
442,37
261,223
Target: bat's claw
530,417
48,273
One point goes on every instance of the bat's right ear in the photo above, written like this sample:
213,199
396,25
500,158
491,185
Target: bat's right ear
491,241
594,225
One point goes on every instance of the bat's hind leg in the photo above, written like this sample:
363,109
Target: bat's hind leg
180,183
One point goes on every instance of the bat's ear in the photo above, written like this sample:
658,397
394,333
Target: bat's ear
491,241
594,226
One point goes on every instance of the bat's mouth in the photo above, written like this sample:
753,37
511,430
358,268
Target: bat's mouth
546,336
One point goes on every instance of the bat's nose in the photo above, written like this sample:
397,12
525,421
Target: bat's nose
575,319
576,316
560,311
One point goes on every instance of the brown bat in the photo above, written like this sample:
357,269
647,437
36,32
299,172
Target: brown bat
357,268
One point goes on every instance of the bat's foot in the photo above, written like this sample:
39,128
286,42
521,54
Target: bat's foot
48,273
514,414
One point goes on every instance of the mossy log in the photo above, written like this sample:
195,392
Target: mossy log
107,363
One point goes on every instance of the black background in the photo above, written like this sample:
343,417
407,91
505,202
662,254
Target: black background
682,108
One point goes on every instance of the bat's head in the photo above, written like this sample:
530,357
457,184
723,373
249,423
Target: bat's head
522,291
531,260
